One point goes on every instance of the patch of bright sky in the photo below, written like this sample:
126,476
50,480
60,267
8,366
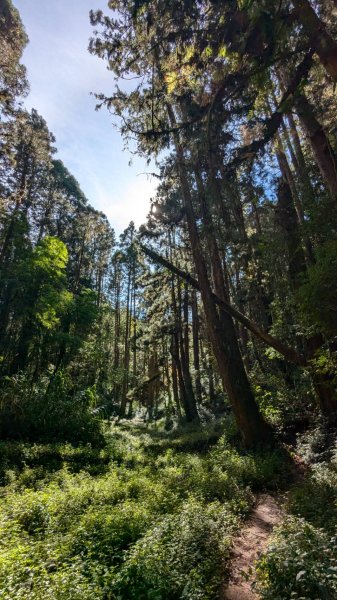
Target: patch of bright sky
62,74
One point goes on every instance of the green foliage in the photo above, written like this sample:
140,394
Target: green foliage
13,40
150,522
283,405
190,437
300,564
324,364
317,297
85,309
66,181
316,498
49,410
44,275
301,561
317,444
181,557
26,465
49,259
269,405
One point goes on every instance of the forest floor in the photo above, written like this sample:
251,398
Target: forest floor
163,516
250,544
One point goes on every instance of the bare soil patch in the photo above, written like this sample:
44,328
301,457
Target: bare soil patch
249,545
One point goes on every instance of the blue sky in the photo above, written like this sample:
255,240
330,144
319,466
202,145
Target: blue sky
62,74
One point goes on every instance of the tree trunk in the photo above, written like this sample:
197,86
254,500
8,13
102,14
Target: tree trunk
299,162
324,383
289,179
288,352
179,355
117,287
287,219
322,149
325,389
221,331
126,362
175,388
196,357
319,38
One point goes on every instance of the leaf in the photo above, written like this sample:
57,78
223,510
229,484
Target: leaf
300,575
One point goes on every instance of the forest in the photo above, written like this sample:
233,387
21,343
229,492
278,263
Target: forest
168,396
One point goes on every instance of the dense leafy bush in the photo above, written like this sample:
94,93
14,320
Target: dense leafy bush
150,522
300,564
317,444
48,410
315,499
181,557
134,519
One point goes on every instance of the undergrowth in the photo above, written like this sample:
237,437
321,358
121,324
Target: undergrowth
149,516
301,561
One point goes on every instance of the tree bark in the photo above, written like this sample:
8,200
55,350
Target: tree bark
322,149
319,38
195,334
287,219
299,162
126,361
116,354
179,355
289,179
221,333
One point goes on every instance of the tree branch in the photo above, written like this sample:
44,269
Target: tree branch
274,122
289,353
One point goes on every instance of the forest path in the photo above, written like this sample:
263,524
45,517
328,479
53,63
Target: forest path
247,547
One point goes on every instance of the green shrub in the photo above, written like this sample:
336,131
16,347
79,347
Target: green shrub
315,498
149,523
181,557
317,444
29,573
104,535
258,470
202,477
47,411
301,563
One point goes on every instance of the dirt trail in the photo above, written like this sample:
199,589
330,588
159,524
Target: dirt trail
252,541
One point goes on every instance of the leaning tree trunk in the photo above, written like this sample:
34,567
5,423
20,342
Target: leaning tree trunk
221,331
